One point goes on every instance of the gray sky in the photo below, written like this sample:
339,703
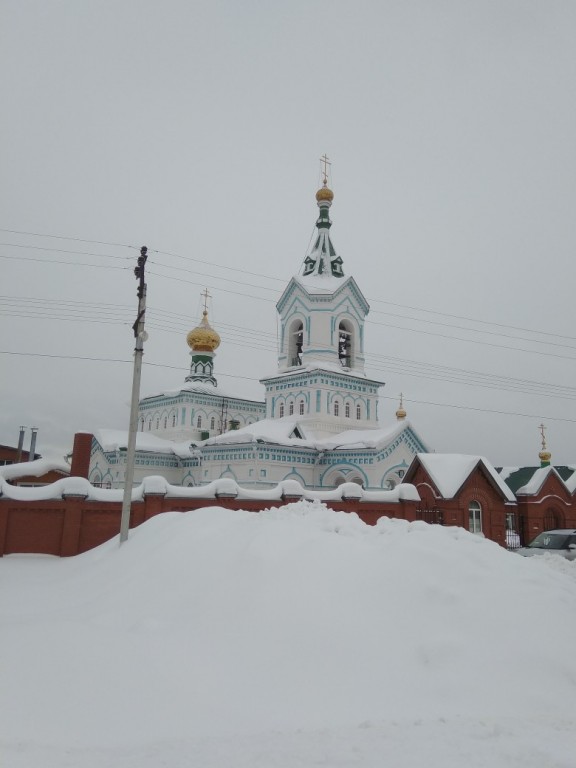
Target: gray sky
195,128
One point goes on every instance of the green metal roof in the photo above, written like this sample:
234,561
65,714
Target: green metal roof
523,475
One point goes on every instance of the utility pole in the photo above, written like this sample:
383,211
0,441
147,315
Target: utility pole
140,335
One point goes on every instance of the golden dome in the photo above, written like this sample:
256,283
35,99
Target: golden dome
203,338
325,193
401,413
545,456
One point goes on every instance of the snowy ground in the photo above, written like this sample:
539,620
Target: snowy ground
292,638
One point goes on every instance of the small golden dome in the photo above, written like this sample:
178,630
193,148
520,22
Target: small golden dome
203,338
545,456
325,193
400,414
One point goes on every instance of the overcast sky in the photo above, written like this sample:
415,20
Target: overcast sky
195,128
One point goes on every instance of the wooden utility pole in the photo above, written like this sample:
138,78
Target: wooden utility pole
141,336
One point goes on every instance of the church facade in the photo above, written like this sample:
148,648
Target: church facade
319,421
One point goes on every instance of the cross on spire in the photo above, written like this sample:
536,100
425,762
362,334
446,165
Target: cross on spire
542,429
206,296
324,160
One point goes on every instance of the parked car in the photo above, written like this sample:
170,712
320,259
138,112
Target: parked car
558,542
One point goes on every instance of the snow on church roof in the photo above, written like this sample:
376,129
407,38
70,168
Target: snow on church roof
199,388
116,439
449,471
324,283
279,431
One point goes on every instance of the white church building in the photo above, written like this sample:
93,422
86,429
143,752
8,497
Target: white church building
318,423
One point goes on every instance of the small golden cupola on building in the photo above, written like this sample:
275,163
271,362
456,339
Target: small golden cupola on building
544,454
401,413
203,342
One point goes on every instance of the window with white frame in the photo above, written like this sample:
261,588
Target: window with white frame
301,407
336,408
358,412
199,422
212,422
281,410
291,409
475,517
347,410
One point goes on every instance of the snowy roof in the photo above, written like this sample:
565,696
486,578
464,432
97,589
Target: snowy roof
198,387
279,431
533,486
115,440
526,481
449,471
35,468
324,283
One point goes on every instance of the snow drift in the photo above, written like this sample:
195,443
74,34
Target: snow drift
211,625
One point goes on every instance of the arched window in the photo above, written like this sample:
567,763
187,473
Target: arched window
346,343
212,422
149,425
301,408
142,424
173,419
291,409
358,412
157,422
475,517
295,342
199,422
281,410
165,421
336,408
347,410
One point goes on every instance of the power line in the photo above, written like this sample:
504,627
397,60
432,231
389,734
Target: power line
274,278
62,250
253,378
64,237
57,261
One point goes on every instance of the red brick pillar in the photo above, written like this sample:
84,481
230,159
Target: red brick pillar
3,526
81,455
70,542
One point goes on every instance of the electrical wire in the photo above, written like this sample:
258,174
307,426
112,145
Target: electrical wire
253,378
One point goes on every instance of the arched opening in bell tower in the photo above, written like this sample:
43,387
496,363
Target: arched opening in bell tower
295,342
346,343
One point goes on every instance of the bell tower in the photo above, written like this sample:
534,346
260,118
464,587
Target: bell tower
322,314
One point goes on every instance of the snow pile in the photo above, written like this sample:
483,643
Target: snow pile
35,468
297,636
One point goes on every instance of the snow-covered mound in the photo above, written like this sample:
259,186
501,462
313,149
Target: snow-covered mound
254,639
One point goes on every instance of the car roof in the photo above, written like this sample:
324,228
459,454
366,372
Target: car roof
561,530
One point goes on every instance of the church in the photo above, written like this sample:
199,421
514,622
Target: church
318,423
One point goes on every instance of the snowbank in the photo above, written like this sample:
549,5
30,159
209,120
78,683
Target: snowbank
297,636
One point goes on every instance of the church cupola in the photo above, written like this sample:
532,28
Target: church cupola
323,259
401,412
544,454
203,341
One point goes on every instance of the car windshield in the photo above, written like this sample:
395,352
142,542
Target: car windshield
550,541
